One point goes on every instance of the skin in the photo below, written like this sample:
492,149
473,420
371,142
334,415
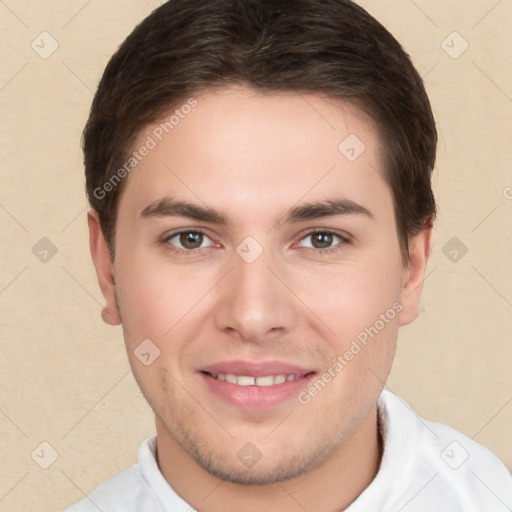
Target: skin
253,157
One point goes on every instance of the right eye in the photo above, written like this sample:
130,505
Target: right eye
189,240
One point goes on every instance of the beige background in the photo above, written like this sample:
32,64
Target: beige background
64,376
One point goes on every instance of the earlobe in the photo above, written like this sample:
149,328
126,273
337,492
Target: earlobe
414,274
104,269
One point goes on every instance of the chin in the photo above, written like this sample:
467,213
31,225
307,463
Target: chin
263,475
249,466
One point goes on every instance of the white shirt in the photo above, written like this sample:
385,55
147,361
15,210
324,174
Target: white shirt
426,467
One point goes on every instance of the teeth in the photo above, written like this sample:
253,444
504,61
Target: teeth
246,380
265,381
242,380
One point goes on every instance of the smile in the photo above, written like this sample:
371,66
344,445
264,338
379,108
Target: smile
247,380
256,387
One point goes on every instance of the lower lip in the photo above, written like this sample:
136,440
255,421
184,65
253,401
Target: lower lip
256,398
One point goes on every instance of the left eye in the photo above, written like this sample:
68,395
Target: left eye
321,240
190,240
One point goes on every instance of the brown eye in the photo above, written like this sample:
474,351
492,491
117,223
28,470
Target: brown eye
322,240
189,240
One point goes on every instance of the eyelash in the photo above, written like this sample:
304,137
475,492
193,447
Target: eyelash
345,240
179,251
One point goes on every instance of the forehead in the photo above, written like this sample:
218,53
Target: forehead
251,151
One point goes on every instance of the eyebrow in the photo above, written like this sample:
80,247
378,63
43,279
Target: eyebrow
328,208
169,207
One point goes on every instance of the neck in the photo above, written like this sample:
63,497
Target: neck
332,487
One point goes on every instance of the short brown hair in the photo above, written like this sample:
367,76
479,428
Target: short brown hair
332,48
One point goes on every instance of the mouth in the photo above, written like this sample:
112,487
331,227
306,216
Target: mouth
261,381
256,386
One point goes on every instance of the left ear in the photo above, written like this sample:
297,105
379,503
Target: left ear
420,247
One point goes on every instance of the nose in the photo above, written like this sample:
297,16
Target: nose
253,303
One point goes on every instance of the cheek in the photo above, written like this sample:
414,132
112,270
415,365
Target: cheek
353,296
162,307
154,299
360,303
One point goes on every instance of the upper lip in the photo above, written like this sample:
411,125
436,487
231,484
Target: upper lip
256,369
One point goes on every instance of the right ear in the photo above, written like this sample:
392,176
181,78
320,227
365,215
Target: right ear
104,268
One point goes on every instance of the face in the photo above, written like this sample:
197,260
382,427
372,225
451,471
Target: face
261,260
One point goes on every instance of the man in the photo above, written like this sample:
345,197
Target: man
260,180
